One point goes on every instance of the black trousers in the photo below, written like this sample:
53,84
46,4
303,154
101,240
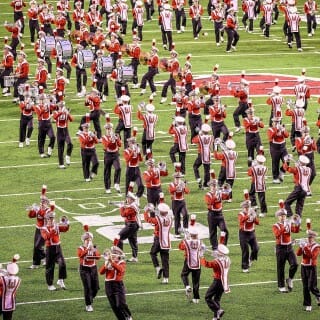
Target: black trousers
277,152
253,142
26,127
309,282
196,27
182,157
298,195
126,132
166,38
54,255
206,168
38,248
218,128
63,138
149,76
216,220
213,296
240,110
45,129
34,27
195,122
153,195
95,118
82,78
248,239
89,156
195,273
179,209
285,253
164,256
90,282
111,159
233,38
181,19
130,232
134,174
261,197
171,82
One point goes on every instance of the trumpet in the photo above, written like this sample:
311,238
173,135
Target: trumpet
219,142
118,204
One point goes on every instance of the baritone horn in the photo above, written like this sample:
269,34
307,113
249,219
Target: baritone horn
144,58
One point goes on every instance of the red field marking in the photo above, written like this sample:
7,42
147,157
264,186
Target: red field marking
261,84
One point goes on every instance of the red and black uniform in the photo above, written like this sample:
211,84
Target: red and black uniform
152,181
173,68
43,111
180,145
194,106
231,29
217,15
217,115
81,74
41,77
284,251
205,143
247,236
33,15
161,241
192,250
26,120
88,141
195,13
220,285
178,189
93,20
101,79
114,48
298,123
258,172
252,125
18,6
119,82
242,95
134,53
62,118
7,62
60,24
132,157
310,8
78,17
213,200
89,272
38,246
181,19
309,252
277,140
130,231
46,18
275,101
59,87
124,112
15,30
22,74
115,289
301,177
153,64
51,235
302,92
64,7
111,144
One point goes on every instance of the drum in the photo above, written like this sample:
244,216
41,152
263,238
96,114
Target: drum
105,65
9,81
64,49
47,44
127,72
85,58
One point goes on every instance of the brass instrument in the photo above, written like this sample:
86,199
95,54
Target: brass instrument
164,64
204,87
295,221
144,58
118,204
125,49
177,75
219,142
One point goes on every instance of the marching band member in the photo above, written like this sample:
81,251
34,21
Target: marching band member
132,156
231,29
297,121
106,8
62,117
138,22
33,15
173,68
213,200
9,285
267,19
18,6
100,78
284,250
78,15
179,131
165,22
41,74
248,7
252,125
277,135
217,17
302,91
7,63
93,103
195,13
81,73
59,85
181,20
228,156
248,219
294,20
22,74
150,120
43,55
111,143
38,212
122,11
114,26
51,234
134,52
187,79
194,106
63,6
257,171
153,63
306,146
152,178
60,22
88,141
129,211
120,84
98,40
93,18
26,121
276,101
310,8
301,175
114,269
242,93
161,241
218,114
15,36
193,249
204,140
88,255
123,110
309,250
178,189
220,285
46,18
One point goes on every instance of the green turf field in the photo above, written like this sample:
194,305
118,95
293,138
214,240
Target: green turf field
253,295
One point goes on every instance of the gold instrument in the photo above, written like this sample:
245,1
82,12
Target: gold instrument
144,58
125,49
177,75
74,35
204,87
164,64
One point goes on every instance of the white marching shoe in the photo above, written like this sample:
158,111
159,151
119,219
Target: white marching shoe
61,284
